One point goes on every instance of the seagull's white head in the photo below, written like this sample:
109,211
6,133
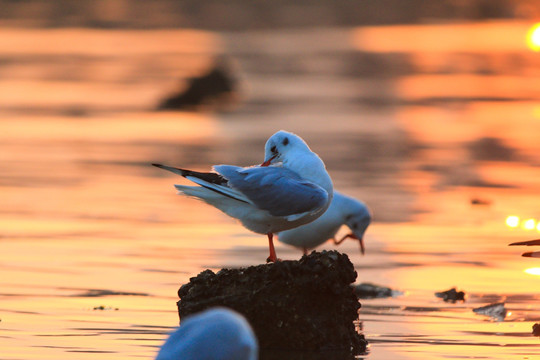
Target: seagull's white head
357,217
290,151
282,144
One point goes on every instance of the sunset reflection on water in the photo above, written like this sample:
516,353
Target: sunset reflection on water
88,223
533,37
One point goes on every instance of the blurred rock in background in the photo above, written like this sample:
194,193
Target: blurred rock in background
215,90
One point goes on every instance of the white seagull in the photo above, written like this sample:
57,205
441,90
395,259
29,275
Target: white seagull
343,210
290,188
215,334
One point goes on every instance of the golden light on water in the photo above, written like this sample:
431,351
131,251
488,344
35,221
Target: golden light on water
533,271
533,38
112,222
529,224
512,221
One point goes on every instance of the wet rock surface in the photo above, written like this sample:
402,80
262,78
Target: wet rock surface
292,305
496,311
536,329
451,295
374,291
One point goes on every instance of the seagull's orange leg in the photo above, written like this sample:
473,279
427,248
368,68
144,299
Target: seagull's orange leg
337,242
272,257
352,236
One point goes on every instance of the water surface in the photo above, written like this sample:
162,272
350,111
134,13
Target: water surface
95,243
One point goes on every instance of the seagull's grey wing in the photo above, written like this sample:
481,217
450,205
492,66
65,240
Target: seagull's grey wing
280,191
211,181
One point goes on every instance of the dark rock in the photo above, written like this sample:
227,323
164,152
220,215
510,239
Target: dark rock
451,295
105,292
496,311
307,355
535,254
373,291
491,149
305,305
526,243
214,89
479,201
103,307
536,329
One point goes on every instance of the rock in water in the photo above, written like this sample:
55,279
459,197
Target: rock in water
536,329
373,291
496,311
216,88
292,305
451,295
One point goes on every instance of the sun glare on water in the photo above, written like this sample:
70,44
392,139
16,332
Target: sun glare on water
512,221
529,224
533,37
533,271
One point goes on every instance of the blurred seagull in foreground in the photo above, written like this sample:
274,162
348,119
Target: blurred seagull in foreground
290,188
215,334
343,210
529,243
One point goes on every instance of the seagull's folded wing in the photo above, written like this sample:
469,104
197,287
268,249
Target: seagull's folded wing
279,191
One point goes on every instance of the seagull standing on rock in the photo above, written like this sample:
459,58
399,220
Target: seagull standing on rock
344,210
290,188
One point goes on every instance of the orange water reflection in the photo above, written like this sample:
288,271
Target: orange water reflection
107,42
487,37
83,211
533,38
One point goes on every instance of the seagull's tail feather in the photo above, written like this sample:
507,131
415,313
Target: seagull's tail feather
209,196
195,176
193,191
208,180
216,199
178,171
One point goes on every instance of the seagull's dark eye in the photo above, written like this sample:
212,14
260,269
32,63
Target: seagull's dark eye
285,141
273,149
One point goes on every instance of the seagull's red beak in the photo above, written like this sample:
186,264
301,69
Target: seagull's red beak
267,162
361,241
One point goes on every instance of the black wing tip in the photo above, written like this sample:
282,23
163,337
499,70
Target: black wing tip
170,168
